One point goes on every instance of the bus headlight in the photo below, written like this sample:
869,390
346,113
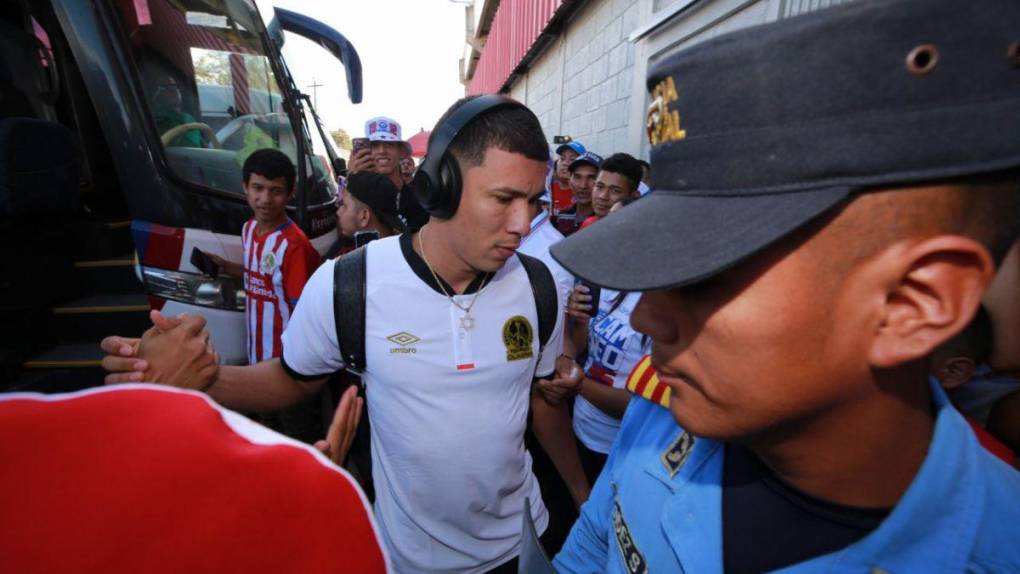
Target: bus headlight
220,293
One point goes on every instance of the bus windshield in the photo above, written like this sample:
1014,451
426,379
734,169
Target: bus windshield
208,85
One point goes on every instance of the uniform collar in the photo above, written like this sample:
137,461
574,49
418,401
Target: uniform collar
937,519
420,269
281,227
935,522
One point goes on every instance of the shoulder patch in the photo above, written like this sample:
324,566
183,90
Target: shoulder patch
644,382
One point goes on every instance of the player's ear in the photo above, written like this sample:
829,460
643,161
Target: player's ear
931,288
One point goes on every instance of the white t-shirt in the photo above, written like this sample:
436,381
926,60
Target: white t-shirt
544,235
614,349
448,406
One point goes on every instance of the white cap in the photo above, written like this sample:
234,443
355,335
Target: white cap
383,129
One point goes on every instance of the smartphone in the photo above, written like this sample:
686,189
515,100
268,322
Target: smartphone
364,237
204,263
359,144
595,291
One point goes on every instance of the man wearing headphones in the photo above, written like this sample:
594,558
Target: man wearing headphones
451,350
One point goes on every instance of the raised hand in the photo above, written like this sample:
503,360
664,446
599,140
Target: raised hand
579,304
361,160
345,423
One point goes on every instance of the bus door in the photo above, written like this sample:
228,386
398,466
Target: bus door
214,89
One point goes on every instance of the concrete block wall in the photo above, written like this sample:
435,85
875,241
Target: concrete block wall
589,82
582,84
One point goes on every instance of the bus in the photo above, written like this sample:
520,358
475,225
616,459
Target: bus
123,128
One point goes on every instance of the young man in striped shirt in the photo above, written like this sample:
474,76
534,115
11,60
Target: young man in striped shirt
278,260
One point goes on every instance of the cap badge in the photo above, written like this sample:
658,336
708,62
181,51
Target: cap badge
662,123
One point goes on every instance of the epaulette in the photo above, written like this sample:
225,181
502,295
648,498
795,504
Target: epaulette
644,382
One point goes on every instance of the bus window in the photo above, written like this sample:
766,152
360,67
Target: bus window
208,84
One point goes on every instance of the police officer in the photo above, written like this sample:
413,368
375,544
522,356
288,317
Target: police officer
451,347
833,193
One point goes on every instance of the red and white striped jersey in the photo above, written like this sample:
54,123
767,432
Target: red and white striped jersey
276,266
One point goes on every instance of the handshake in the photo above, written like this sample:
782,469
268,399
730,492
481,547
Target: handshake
174,351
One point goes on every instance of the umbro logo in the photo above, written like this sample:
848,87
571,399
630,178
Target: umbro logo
405,340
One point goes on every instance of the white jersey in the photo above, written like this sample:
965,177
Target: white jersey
544,235
614,349
448,406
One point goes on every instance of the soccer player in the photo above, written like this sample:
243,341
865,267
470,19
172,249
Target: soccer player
451,345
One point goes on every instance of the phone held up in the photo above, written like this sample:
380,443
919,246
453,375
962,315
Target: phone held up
359,144
204,263
596,293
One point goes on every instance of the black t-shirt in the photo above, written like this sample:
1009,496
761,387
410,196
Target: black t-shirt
768,524
414,215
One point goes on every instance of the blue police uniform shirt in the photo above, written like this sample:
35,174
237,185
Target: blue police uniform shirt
657,507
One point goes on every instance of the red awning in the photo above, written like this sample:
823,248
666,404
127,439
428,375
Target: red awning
419,143
516,26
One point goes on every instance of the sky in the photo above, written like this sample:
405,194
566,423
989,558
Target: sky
409,49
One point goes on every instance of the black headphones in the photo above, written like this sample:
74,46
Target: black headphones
437,184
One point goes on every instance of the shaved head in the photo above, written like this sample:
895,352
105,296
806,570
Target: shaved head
986,210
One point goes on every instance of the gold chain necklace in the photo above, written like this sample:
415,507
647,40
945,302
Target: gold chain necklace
467,322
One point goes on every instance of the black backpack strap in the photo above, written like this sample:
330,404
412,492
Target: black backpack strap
546,297
349,308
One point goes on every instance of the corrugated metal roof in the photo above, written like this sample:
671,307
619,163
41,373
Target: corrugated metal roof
516,26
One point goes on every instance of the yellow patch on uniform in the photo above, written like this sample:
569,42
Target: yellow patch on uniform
662,123
517,337
644,382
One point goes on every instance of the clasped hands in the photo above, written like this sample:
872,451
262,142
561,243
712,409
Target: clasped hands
174,351
565,384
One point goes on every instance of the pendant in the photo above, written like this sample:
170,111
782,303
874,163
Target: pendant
467,322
